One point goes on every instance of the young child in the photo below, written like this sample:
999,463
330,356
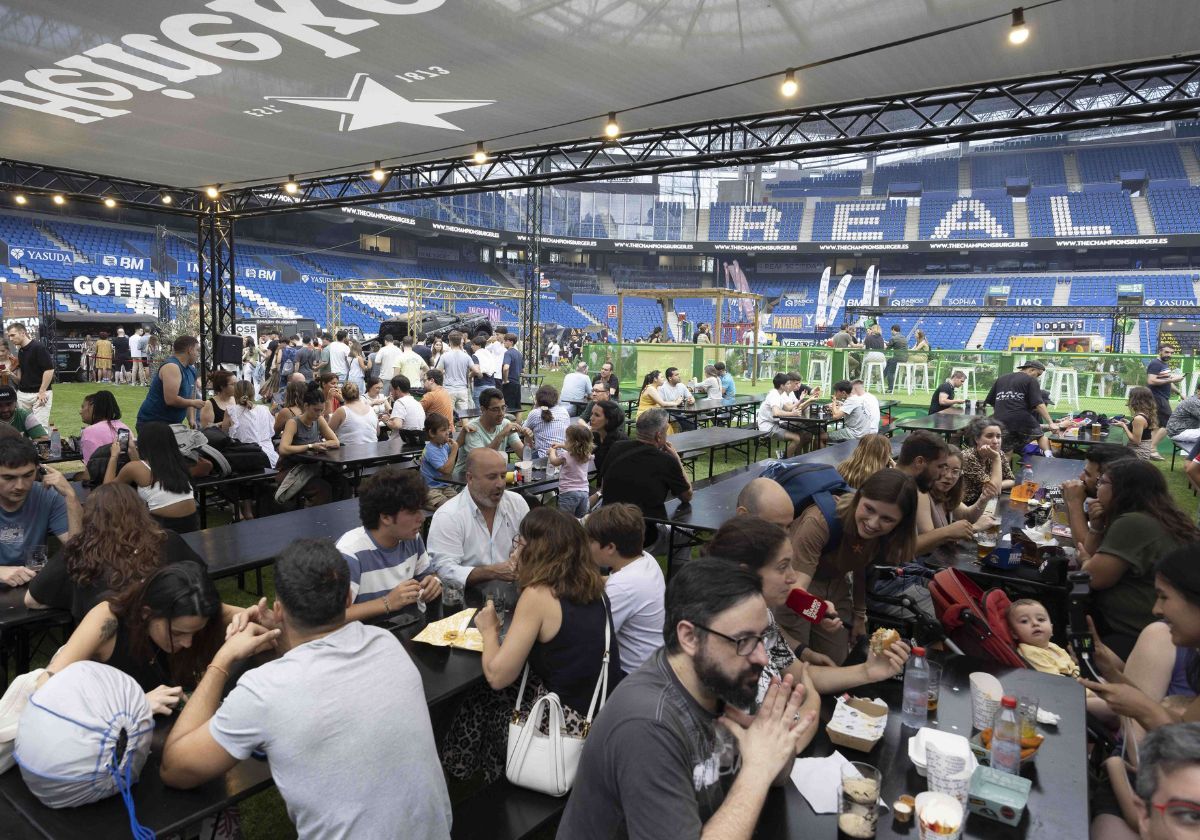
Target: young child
574,455
438,459
1030,624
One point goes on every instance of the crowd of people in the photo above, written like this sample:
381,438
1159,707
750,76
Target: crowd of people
712,684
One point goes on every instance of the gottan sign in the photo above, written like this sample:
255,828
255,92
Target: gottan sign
122,287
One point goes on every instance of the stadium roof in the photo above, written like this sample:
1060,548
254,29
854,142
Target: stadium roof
189,93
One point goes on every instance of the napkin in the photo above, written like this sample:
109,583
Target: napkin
453,631
817,779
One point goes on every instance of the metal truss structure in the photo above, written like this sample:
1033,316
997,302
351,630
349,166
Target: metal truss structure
666,297
531,308
217,283
416,294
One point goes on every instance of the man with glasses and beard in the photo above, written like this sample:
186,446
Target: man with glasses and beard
653,763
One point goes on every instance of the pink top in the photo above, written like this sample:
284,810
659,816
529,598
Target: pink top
573,475
97,435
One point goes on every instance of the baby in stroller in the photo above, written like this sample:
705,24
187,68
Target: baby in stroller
1030,625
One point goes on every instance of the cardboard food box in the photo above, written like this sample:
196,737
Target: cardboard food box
857,723
998,796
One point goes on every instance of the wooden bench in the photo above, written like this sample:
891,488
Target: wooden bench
502,811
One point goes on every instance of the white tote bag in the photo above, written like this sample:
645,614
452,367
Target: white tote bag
547,763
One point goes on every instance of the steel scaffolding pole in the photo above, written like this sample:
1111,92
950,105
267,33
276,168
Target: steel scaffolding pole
217,284
531,303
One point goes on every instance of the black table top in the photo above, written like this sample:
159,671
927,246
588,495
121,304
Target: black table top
242,546
1057,803
14,613
1086,438
445,673
700,439
940,422
357,454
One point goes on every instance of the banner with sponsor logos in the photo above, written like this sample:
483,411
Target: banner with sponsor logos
126,287
124,262
823,296
1062,325
492,313
18,255
839,295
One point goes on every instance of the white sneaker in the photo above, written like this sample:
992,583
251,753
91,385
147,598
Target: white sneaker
1047,453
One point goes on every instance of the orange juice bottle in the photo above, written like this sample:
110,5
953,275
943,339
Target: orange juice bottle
1024,491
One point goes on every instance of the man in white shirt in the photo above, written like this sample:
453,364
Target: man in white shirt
137,352
339,356
553,352
457,365
635,585
408,363
342,703
388,358
856,408
576,386
775,406
407,414
674,389
470,537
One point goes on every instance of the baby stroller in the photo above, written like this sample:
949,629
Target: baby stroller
892,605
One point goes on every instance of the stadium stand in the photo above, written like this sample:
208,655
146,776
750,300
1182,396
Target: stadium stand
1041,168
1175,207
988,214
843,182
755,222
1104,164
935,174
1095,212
869,220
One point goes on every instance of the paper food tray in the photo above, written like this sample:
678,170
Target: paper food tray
857,723
453,631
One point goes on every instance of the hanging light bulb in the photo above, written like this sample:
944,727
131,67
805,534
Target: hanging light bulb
213,192
480,156
110,202
377,173
291,187
20,198
1019,33
611,129
790,87
165,197
59,199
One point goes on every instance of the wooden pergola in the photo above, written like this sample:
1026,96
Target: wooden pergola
666,297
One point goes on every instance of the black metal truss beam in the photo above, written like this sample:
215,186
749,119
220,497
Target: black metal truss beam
35,179
531,303
217,282
1147,91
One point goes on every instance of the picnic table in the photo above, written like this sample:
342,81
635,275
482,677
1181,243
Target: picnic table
944,423
1058,802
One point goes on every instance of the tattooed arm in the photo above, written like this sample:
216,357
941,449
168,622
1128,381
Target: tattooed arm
93,639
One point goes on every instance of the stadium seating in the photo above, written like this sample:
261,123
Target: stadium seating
1041,168
1175,208
842,182
755,222
1106,163
935,174
869,220
1054,212
988,214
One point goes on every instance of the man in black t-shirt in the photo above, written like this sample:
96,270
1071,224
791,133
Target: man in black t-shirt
646,471
1161,381
37,372
1016,400
943,397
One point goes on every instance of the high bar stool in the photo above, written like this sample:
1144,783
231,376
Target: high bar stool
907,371
1064,385
872,375
818,373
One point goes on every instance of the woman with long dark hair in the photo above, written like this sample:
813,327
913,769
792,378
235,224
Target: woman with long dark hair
160,474
983,462
119,546
877,524
216,408
101,416
942,517
163,631
558,628
608,426
309,432
764,548
1140,525
548,420
1140,429
293,404
650,396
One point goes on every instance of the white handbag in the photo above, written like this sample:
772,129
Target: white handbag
547,763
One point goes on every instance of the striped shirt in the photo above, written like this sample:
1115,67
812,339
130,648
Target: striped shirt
375,571
546,432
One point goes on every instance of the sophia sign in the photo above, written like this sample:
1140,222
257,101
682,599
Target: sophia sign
122,287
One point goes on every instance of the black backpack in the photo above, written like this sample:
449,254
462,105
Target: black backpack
812,484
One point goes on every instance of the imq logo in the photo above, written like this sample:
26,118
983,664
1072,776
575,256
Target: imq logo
102,82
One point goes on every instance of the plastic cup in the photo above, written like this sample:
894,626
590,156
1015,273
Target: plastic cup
858,800
939,817
35,558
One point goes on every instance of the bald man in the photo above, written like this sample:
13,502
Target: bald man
766,499
471,536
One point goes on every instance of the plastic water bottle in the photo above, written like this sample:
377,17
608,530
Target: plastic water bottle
916,690
55,443
1006,738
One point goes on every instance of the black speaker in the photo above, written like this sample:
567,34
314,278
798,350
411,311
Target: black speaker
229,350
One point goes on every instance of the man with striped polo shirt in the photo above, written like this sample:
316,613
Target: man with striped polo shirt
389,566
